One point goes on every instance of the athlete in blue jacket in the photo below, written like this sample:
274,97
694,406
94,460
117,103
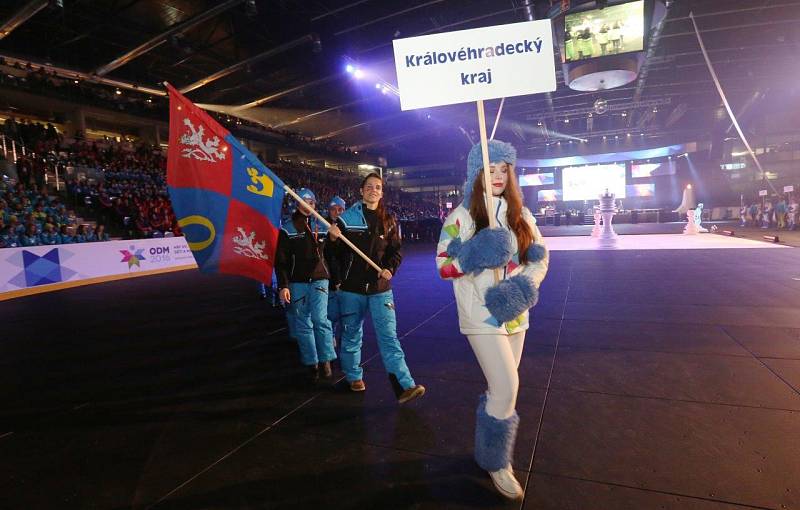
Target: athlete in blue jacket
368,226
303,276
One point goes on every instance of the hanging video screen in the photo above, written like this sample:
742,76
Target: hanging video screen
589,182
536,179
549,195
652,169
641,190
601,32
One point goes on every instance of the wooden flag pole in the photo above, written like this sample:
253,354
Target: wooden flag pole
487,177
347,241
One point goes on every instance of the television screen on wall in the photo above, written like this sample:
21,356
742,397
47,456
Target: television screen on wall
641,190
602,32
549,195
589,182
652,169
536,179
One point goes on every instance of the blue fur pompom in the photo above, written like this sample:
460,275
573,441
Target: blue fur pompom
489,248
494,438
536,252
510,298
454,248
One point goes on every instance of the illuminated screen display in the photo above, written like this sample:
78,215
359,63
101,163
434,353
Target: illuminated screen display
641,190
549,195
536,179
601,32
653,169
589,182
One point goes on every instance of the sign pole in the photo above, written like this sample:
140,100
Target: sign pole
487,178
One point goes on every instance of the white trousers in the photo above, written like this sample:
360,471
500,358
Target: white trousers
498,356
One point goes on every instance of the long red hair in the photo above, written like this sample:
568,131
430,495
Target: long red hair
517,224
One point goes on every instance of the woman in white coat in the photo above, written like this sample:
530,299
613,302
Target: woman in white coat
494,315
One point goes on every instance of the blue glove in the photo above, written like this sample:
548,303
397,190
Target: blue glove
489,248
509,298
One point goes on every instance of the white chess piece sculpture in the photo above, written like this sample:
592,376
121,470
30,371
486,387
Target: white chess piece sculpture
698,218
695,218
607,210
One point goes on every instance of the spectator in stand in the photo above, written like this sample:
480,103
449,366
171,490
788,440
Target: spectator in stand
100,233
48,235
64,236
9,238
31,237
80,234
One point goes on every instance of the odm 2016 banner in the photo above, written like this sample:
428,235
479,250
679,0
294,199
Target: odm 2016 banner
25,271
471,65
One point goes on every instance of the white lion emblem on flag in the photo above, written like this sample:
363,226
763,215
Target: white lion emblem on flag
198,148
247,248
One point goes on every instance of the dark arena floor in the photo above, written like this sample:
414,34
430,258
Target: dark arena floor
651,379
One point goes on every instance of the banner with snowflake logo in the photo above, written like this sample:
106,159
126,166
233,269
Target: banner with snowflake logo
227,202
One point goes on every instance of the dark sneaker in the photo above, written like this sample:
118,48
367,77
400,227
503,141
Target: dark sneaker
411,393
326,370
358,385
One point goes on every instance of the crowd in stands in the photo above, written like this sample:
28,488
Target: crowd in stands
30,216
36,136
124,186
780,214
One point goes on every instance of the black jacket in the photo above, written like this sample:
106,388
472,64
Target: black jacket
301,254
362,228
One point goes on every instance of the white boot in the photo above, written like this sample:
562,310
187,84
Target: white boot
506,483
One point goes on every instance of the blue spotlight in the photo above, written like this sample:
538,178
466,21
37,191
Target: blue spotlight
350,69
358,74
378,85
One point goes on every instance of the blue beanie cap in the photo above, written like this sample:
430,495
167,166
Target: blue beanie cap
337,200
306,194
498,151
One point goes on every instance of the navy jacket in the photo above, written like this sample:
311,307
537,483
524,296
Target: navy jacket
301,254
363,229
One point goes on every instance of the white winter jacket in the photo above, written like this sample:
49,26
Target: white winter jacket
473,316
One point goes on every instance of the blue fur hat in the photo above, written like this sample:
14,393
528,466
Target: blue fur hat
306,194
498,151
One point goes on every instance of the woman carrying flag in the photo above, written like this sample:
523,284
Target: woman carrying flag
373,230
494,315
303,276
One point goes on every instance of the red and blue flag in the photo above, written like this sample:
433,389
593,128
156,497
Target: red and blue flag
227,202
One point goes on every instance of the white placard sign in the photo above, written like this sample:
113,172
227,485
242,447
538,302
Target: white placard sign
763,193
480,63
788,189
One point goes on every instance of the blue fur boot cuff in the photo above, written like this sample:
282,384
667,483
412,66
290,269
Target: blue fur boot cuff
494,439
